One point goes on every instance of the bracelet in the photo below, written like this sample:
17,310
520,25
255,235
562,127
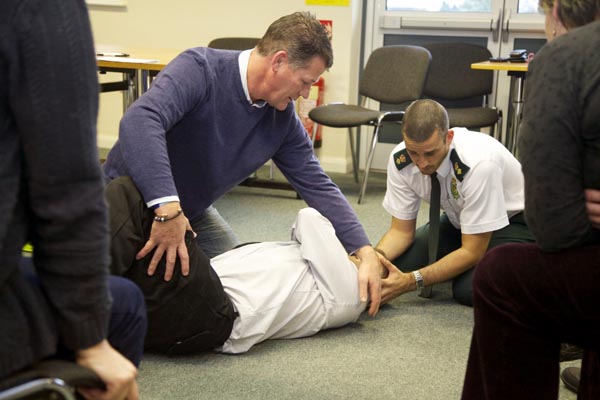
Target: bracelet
165,217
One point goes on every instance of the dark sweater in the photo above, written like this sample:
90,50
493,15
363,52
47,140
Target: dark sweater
50,181
560,138
195,135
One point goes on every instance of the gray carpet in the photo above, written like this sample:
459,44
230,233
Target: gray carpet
413,349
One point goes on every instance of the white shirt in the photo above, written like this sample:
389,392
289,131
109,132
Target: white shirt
491,191
243,61
289,289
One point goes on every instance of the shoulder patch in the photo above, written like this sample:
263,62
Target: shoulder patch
402,159
460,168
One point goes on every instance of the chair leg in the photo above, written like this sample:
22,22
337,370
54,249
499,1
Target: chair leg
354,158
313,134
363,187
499,125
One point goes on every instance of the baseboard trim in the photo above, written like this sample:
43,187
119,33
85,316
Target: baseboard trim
336,164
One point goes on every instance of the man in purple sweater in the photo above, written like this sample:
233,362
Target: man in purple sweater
212,118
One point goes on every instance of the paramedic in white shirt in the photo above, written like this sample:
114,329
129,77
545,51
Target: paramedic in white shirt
482,196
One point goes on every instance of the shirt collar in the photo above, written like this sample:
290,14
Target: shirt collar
243,61
444,168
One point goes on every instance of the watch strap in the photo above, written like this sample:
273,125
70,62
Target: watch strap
419,280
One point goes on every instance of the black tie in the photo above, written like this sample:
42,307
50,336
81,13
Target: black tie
434,226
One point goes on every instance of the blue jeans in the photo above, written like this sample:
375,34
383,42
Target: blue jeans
214,235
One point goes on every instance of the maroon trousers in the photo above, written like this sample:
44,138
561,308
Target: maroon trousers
526,303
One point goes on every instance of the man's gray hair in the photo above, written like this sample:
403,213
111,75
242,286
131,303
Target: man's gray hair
302,36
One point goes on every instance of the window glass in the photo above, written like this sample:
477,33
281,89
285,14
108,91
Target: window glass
528,6
440,5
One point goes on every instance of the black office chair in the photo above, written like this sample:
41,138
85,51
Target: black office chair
233,43
393,75
50,379
463,91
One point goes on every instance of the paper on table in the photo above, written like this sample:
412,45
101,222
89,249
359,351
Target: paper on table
127,60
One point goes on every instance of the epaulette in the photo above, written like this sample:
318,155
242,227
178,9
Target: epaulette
460,168
402,159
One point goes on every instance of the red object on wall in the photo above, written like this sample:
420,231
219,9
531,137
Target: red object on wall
328,24
303,107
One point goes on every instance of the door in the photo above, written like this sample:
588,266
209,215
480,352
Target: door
499,25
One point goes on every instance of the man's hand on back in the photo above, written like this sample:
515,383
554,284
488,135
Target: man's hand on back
168,238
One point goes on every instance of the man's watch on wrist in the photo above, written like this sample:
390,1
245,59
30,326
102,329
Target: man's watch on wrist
419,280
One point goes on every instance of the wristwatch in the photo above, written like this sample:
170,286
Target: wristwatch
419,280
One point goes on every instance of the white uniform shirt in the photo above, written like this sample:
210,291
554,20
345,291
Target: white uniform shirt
289,289
490,192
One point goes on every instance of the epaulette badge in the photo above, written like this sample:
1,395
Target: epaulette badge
402,159
460,168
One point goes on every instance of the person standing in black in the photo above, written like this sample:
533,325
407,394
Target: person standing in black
52,197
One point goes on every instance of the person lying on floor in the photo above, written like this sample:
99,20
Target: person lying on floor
259,291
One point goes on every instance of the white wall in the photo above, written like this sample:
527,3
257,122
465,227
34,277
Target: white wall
181,24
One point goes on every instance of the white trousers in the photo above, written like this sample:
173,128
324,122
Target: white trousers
290,289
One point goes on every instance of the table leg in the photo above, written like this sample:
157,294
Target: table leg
138,82
143,81
132,93
515,110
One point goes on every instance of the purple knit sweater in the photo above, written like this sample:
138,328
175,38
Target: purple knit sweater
194,134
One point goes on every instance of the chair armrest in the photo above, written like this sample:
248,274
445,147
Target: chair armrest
70,372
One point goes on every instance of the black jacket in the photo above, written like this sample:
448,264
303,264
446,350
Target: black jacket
50,182
187,314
